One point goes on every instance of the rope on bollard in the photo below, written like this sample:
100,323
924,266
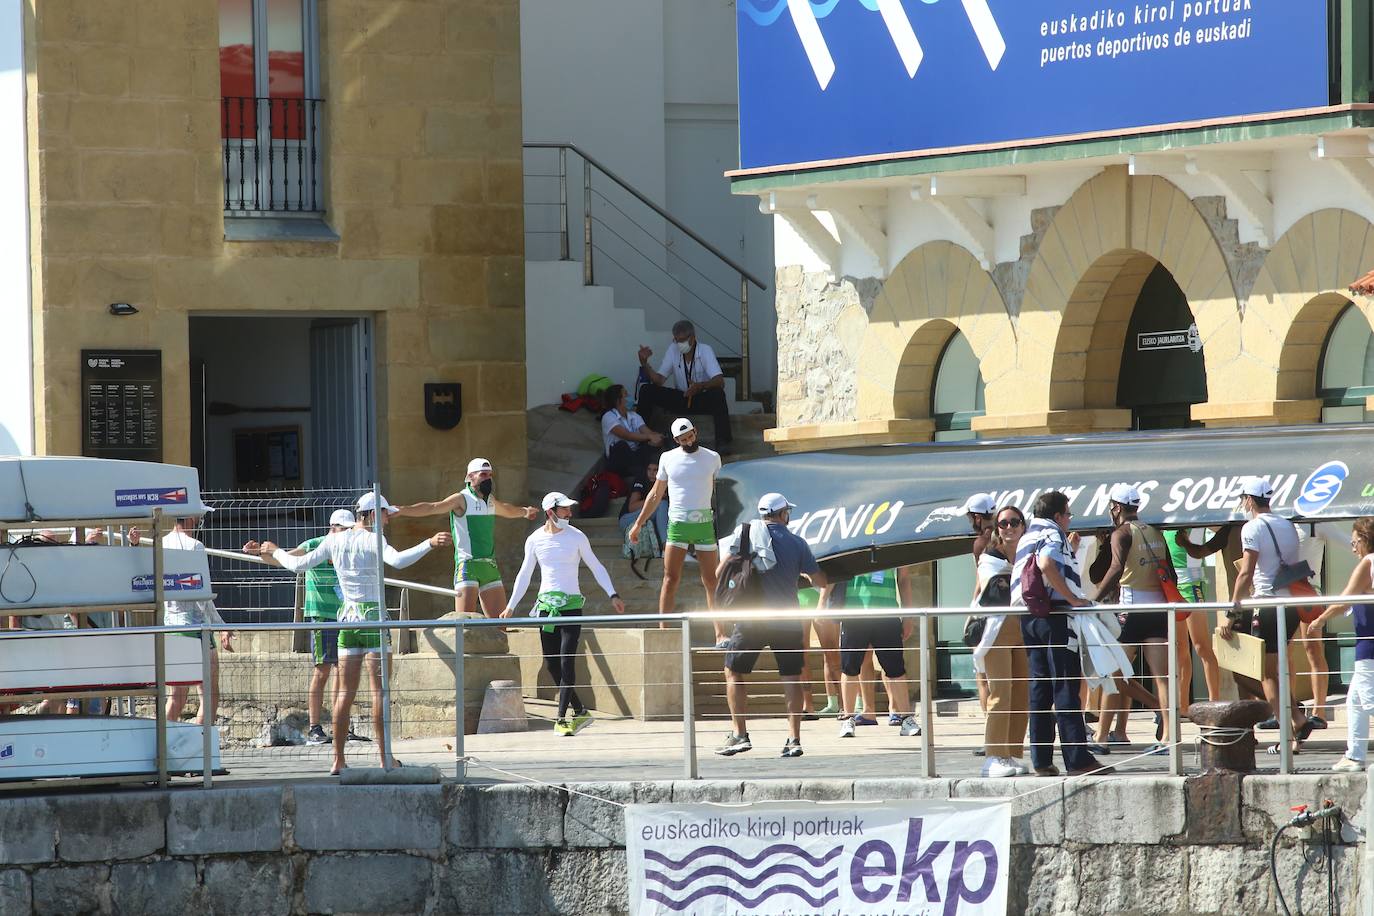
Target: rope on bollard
1213,735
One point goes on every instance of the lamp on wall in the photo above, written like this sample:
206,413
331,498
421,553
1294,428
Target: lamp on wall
122,309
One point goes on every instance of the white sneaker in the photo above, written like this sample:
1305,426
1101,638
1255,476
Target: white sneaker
1021,768
847,728
999,768
1346,765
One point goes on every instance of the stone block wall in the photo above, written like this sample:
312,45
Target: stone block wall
1150,845
422,163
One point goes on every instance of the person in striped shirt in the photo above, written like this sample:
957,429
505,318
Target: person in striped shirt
1055,669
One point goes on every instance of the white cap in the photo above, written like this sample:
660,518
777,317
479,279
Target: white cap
478,464
557,499
682,425
343,517
365,504
1258,487
773,502
980,503
1125,494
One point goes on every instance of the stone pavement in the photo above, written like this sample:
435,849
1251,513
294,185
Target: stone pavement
613,750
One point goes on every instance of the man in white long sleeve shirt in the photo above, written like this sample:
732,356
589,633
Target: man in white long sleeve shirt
559,549
353,553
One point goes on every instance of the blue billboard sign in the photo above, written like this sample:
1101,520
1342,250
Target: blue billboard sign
836,79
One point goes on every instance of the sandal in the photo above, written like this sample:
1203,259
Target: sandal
1273,750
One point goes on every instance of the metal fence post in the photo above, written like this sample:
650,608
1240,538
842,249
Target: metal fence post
745,390
384,739
587,274
1175,729
563,249
927,686
460,760
160,652
689,725
207,643
1285,695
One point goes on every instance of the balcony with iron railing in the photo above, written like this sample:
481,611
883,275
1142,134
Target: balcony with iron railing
272,156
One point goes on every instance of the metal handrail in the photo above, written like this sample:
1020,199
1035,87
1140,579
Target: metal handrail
925,715
638,195
590,162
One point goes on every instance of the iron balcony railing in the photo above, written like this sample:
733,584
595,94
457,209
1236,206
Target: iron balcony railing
271,149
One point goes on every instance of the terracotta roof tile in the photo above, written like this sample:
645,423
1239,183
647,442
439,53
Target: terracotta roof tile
1364,286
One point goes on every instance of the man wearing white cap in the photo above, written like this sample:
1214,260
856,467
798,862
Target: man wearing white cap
980,510
781,558
1133,564
353,553
1270,542
472,513
687,474
558,549
322,602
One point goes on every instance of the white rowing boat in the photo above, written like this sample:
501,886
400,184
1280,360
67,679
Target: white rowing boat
35,489
110,660
44,747
73,576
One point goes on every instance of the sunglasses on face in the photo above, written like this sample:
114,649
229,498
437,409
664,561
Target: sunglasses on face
1009,523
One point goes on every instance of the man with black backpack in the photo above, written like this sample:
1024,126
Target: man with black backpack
775,559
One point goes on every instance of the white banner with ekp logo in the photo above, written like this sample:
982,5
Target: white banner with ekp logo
942,858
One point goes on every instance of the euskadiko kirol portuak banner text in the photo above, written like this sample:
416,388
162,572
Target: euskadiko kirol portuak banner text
942,858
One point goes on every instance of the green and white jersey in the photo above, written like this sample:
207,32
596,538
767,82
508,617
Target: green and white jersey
322,596
873,590
474,532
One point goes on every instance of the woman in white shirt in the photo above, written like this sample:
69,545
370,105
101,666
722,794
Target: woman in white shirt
559,549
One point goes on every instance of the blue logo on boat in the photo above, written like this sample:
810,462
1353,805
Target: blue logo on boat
1321,488
6,751
171,582
152,496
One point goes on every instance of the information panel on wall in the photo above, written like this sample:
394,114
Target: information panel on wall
833,79
121,404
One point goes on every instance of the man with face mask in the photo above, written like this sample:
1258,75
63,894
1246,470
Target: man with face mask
688,380
472,513
558,549
687,476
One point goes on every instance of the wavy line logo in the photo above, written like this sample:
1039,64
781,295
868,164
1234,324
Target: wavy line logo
682,886
806,16
1321,488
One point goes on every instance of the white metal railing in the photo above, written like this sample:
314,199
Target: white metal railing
684,621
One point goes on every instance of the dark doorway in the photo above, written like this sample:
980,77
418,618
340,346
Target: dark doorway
281,403
1162,369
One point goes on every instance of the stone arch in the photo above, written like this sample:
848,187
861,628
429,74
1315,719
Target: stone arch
1299,293
1083,285
936,289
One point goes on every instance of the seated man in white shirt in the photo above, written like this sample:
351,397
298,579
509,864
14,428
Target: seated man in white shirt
628,441
688,381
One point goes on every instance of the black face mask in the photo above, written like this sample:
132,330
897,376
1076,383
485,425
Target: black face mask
484,488
691,448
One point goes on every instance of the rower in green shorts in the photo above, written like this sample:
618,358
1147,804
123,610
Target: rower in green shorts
472,513
353,554
322,602
687,475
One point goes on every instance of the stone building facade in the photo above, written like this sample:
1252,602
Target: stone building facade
419,226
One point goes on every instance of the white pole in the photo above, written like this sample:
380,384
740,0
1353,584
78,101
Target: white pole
385,737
